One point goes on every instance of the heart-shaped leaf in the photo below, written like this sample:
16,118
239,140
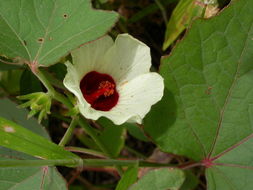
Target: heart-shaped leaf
40,32
209,101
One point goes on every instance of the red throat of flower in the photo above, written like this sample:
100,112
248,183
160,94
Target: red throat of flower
99,90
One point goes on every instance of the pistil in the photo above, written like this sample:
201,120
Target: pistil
105,89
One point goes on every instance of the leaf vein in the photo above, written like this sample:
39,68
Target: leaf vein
21,41
228,97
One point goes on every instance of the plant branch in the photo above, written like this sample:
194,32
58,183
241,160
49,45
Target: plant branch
86,151
75,163
131,150
189,165
93,134
163,10
90,131
56,95
68,134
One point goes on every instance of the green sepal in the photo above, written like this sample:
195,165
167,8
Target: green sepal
39,102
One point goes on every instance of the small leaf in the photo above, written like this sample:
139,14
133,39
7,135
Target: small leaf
39,102
41,32
182,16
129,177
135,131
113,137
191,181
160,179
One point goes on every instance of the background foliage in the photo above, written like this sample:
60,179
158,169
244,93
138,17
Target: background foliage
202,128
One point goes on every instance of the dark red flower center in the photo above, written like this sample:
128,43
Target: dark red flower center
99,90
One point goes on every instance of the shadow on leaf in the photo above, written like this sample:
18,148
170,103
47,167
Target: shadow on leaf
161,116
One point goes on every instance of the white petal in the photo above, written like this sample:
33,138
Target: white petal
128,61
72,82
127,58
136,98
89,57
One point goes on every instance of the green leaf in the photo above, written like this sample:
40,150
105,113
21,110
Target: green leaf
10,79
59,70
135,131
210,76
129,177
191,181
6,67
113,137
26,178
6,64
182,16
9,110
41,32
32,178
160,179
15,137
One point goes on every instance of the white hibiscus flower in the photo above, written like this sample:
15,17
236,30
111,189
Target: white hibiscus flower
112,79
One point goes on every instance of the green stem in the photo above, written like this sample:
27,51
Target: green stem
161,7
59,97
54,81
33,163
74,163
140,155
68,134
56,95
86,151
45,81
122,25
69,105
92,133
60,117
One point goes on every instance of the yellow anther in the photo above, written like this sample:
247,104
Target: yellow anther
108,87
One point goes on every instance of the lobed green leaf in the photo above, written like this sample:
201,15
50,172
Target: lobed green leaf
41,32
209,77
